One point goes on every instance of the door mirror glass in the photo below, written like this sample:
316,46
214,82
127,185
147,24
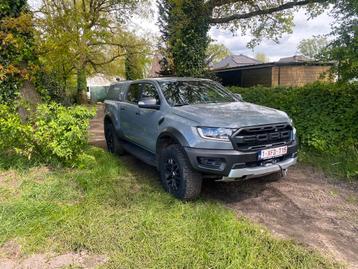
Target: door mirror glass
149,102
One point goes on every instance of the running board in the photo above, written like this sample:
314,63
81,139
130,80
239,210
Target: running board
140,153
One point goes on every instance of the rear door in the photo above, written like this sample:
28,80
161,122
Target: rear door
129,112
112,102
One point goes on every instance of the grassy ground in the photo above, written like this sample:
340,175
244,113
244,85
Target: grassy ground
109,209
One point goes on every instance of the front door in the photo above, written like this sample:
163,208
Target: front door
148,119
129,113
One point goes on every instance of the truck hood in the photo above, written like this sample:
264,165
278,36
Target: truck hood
230,115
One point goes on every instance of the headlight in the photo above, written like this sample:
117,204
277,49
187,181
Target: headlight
291,121
294,133
215,133
293,129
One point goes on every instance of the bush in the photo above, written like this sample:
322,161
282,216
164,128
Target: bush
325,115
53,134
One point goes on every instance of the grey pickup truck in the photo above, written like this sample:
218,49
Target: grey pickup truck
194,129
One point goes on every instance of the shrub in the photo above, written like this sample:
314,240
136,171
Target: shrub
325,115
53,134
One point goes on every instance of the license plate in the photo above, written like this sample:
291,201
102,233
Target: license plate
272,153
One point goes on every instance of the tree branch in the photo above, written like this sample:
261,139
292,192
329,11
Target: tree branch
259,12
93,63
218,3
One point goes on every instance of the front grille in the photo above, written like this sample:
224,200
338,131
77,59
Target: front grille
260,137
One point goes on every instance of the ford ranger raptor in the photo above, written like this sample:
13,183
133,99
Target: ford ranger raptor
194,129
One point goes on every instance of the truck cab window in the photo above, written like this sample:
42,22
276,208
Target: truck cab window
149,91
133,93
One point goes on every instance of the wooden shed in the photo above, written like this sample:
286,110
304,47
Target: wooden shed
286,72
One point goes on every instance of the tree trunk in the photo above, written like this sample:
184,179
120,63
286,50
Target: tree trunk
30,97
81,86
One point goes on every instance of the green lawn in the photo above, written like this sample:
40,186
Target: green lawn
111,209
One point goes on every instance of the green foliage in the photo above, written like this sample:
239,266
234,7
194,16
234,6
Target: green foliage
262,57
312,47
81,85
216,52
184,26
136,62
18,62
12,8
344,48
325,116
53,134
84,37
120,211
50,86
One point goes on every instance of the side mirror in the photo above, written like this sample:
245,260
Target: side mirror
149,103
238,96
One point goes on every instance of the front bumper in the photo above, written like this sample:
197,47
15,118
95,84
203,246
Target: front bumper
260,170
237,164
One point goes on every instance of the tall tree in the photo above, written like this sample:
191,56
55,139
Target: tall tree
137,61
185,24
312,47
262,57
12,8
84,35
184,27
215,53
344,47
17,57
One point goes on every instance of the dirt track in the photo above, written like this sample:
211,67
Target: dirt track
305,206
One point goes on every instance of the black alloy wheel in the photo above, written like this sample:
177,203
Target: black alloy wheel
172,175
177,175
109,138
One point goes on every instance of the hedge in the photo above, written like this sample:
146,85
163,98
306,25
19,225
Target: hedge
325,115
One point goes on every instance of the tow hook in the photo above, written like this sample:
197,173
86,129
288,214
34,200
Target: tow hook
283,171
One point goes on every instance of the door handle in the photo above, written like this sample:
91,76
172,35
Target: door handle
137,113
122,108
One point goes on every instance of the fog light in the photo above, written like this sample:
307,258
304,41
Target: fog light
212,163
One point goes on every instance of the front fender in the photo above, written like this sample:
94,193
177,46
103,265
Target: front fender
173,134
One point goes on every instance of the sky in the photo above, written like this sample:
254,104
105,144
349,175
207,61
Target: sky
287,46
145,24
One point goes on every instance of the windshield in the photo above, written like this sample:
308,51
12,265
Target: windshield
179,93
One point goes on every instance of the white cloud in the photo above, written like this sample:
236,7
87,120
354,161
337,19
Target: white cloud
145,23
304,28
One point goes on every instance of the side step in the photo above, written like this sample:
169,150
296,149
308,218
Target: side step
140,153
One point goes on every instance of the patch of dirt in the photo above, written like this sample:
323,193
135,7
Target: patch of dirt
53,261
305,206
9,179
96,132
10,249
39,174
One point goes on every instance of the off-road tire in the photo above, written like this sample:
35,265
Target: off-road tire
114,145
188,180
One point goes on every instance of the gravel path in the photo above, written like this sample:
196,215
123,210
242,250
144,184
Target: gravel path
305,206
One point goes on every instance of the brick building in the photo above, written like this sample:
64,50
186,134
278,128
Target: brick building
290,71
